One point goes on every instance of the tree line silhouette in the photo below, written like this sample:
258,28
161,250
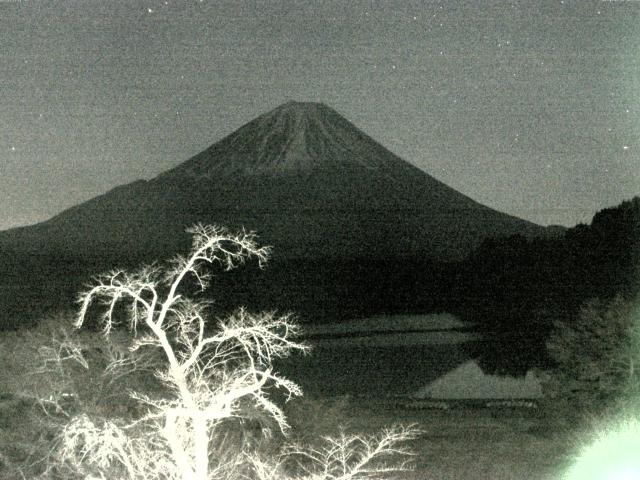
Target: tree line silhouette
515,288
512,288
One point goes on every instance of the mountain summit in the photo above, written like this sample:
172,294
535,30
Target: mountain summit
296,138
305,178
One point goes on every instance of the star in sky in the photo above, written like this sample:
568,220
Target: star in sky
562,75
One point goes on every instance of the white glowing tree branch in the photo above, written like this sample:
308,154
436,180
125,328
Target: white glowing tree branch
346,457
216,371
209,374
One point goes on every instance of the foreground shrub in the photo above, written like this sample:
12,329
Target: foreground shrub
597,356
216,381
52,372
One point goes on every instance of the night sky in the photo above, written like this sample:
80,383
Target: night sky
532,107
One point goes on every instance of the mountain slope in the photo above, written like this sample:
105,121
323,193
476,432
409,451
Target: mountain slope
305,178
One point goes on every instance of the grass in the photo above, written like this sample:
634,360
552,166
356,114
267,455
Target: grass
459,443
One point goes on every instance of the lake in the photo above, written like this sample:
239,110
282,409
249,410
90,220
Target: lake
386,355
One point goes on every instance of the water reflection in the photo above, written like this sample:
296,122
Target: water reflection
378,358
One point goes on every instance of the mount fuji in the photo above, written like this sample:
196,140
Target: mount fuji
306,179
353,227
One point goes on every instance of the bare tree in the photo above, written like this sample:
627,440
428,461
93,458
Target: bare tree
354,456
212,375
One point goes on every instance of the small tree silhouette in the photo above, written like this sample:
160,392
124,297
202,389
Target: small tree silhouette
211,376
